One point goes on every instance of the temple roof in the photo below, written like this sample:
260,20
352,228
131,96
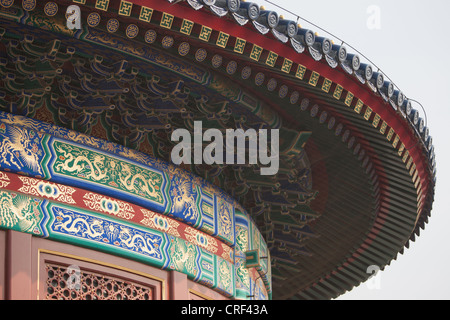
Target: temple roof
356,186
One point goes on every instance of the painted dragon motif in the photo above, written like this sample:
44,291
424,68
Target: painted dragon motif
224,272
138,243
242,239
130,179
242,273
225,219
67,223
94,166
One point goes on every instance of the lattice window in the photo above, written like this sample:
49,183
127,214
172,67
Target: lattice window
86,285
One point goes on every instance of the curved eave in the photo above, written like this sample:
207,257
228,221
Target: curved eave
390,155
391,162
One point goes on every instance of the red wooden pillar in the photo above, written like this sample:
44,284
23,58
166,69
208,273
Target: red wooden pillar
178,286
17,266
2,263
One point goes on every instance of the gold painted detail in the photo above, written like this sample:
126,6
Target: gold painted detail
400,150
95,167
338,92
405,156
4,180
240,45
222,40
225,275
409,164
241,239
186,27
205,33
358,107
287,66
102,5
390,134
20,213
159,222
227,252
125,8
256,52
301,71
272,59
47,189
115,207
225,215
201,239
326,86
396,140
183,255
314,78
368,113
349,99
376,120
167,20
383,127
146,14
6,3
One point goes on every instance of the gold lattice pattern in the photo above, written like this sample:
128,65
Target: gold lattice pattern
66,283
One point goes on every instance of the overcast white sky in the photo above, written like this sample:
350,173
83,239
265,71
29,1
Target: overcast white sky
412,48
